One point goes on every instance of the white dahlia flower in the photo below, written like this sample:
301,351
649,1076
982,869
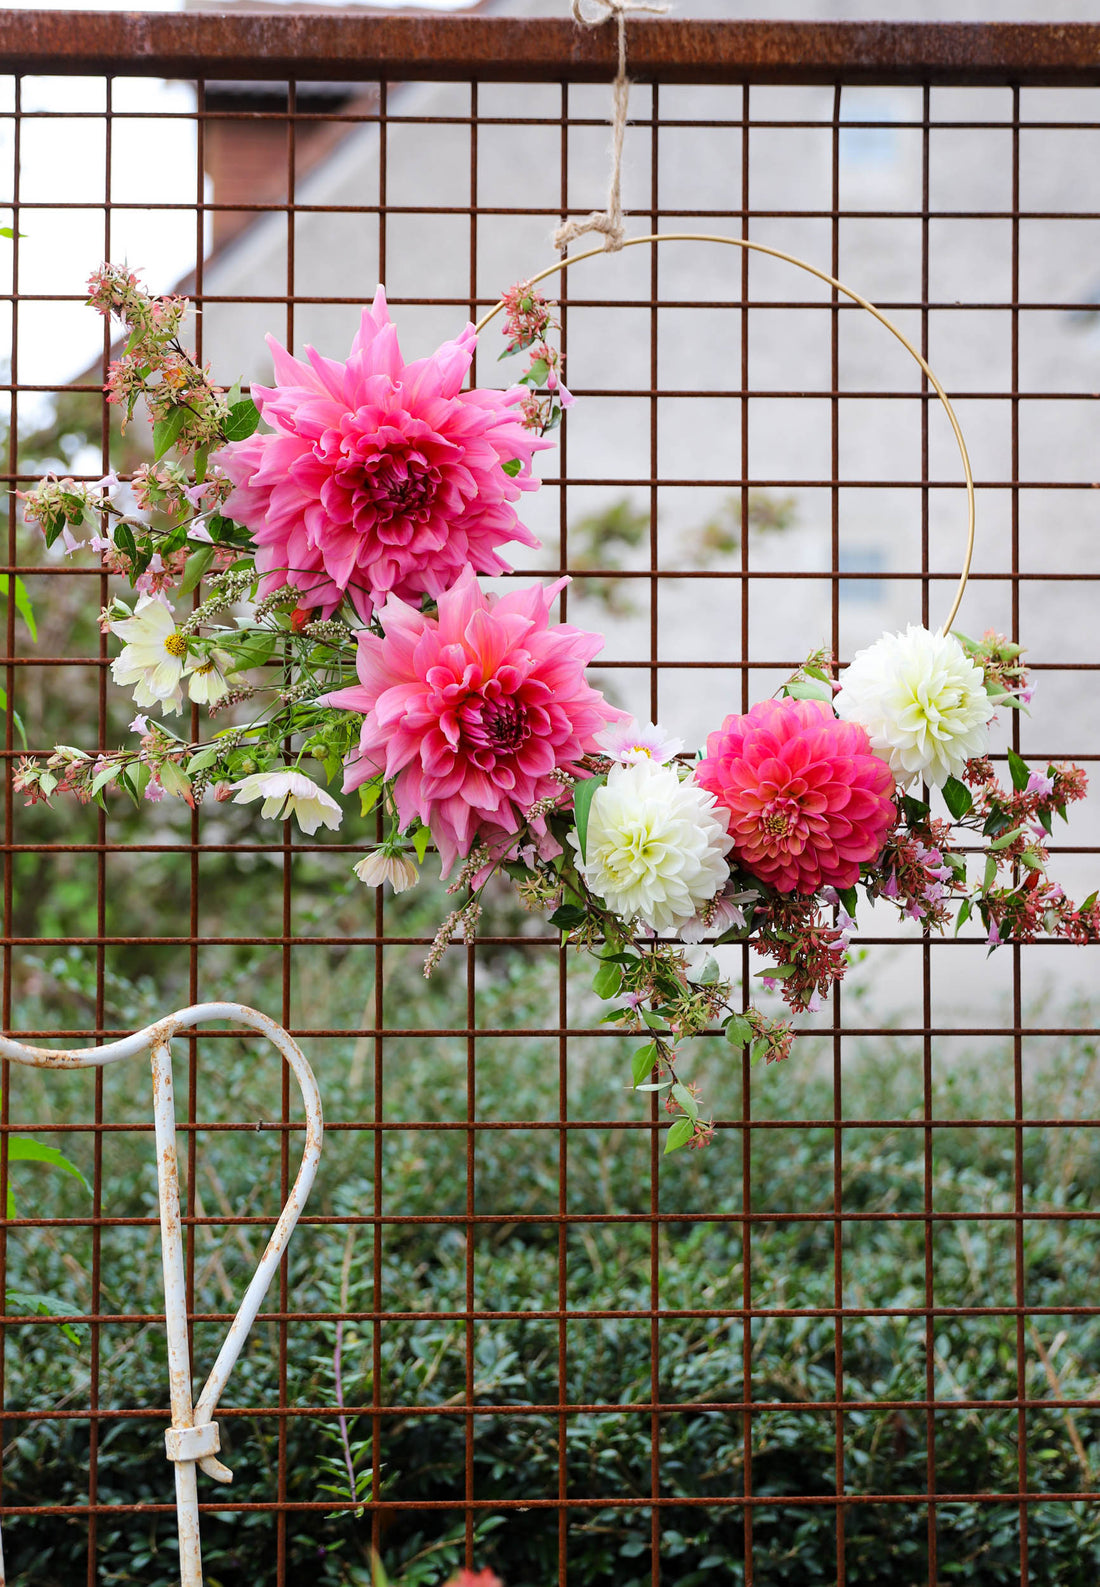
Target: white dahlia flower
153,656
921,701
289,793
656,846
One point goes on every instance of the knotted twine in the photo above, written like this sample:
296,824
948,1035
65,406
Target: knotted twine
609,221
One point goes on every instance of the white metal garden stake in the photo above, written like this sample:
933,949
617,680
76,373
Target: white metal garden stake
192,1439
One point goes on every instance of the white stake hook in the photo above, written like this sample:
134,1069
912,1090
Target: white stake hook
192,1439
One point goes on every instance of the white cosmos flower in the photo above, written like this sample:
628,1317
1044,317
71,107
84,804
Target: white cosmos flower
656,846
632,741
153,656
207,684
289,793
921,701
400,870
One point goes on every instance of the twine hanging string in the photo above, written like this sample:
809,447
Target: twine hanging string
609,221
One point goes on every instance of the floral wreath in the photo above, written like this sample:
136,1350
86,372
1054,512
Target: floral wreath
342,622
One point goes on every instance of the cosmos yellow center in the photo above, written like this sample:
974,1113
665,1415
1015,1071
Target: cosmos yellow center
205,670
176,644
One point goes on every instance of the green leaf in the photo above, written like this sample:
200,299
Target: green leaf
607,980
848,900
686,1100
420,840
512,467
135,779
914,810
17,722
23,1150
11,233
45,1305
990,873
808,689
175,782
738,1030
22,603
1020,771
195,566
995,697
166,431
1006,838
957,797
654,1021
758,1051
202,760
776,972
536,374
244,416
963,915
679,1134
255,650
202,454
124,540
642,1063
708,975
369,795
583,795
566,917
108,774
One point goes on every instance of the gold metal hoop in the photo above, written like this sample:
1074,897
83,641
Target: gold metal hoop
822,275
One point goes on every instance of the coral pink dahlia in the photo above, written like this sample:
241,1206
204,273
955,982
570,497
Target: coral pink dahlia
470,712
808,799
381,477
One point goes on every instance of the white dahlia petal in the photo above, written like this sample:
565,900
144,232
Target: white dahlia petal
921,701
656,845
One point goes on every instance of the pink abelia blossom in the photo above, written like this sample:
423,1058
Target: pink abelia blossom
380,477
471,712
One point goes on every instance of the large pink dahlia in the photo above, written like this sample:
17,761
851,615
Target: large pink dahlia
471,711
808,799
381,477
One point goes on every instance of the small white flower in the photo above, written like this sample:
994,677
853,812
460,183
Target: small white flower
207,685
921,701
289,793
400,870
630,742
656,846
154,655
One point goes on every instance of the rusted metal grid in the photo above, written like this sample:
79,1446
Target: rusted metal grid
1018,573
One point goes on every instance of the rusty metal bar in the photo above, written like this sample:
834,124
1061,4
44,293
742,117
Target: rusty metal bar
316,46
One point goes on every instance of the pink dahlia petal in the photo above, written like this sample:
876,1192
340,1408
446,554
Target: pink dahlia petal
455,710
809,802
391,475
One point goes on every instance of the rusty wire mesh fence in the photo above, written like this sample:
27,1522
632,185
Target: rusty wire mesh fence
857,1337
